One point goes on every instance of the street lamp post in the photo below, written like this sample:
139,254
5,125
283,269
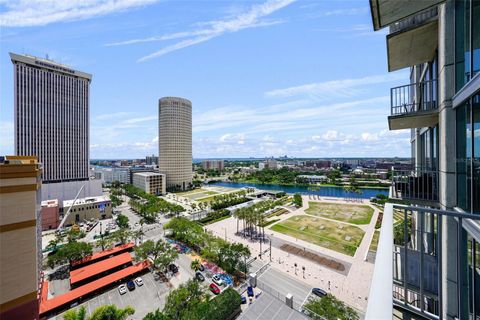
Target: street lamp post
295,268
303,268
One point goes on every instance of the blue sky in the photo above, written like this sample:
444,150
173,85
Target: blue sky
266,78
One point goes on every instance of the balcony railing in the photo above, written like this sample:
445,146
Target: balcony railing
414,97
416,184
410,254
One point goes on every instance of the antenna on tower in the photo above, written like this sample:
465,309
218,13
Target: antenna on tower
46,56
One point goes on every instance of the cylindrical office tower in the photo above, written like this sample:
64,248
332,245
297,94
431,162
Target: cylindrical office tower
175,141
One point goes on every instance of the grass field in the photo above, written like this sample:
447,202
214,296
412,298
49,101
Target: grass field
325,233
374,243
352,213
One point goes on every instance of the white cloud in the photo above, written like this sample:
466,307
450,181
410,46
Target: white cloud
25,13
335,88
212,29
345,12
6,138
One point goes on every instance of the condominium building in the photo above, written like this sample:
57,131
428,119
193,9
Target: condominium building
86,209
150,182
432,253
20,238
109,175
218,165
175,141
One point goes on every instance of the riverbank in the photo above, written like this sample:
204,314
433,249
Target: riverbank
325,191
293,184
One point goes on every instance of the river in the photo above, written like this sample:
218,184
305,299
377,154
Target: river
323,191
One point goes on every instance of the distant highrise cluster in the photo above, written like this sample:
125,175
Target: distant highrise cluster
175,141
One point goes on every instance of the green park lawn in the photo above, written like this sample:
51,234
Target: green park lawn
336,236
352,213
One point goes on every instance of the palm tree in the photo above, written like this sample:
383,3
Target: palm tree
76,314
111,312
195,265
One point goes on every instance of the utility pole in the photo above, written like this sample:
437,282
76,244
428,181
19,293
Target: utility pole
270,239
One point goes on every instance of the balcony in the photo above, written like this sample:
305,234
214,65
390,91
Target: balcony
413,105
388,12
419,185
410,253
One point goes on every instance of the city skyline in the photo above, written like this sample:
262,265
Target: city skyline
247,101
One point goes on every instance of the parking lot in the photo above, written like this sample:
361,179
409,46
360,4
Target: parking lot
143,299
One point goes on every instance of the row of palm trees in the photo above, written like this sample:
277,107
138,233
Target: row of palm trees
253,218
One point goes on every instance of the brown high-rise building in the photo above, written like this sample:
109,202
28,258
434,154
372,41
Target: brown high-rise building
20,238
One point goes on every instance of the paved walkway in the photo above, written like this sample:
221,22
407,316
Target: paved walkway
352,288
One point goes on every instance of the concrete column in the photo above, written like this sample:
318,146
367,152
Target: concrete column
447,157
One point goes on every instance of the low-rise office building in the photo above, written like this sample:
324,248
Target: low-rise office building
150,182
50,214
20,239
86,209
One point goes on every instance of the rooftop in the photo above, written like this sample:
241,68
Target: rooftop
68,203
48,64
149,174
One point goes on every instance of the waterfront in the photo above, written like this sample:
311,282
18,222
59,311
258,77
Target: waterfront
321,191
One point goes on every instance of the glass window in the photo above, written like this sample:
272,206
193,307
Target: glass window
476,154
476,35
473,278
462,43
463,198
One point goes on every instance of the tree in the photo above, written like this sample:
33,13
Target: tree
116,201
76,314
297,200
105,243
330,308
111,312
183,299
156,315
161,253
70,252
122,235
195,265
122,221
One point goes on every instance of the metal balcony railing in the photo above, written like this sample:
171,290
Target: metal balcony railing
410,254
414,97
415,184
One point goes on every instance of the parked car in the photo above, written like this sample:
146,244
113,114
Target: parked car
139,282
173,268
202,268
122,289
199,276
213,287
250,291
216,278
319,292
131,285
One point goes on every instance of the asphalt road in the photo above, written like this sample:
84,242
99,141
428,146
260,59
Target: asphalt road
283,284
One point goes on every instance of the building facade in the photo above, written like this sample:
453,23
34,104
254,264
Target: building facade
151,160
51,117
436,261
217,165
87,209
150,182
20,237
50,214
175,142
